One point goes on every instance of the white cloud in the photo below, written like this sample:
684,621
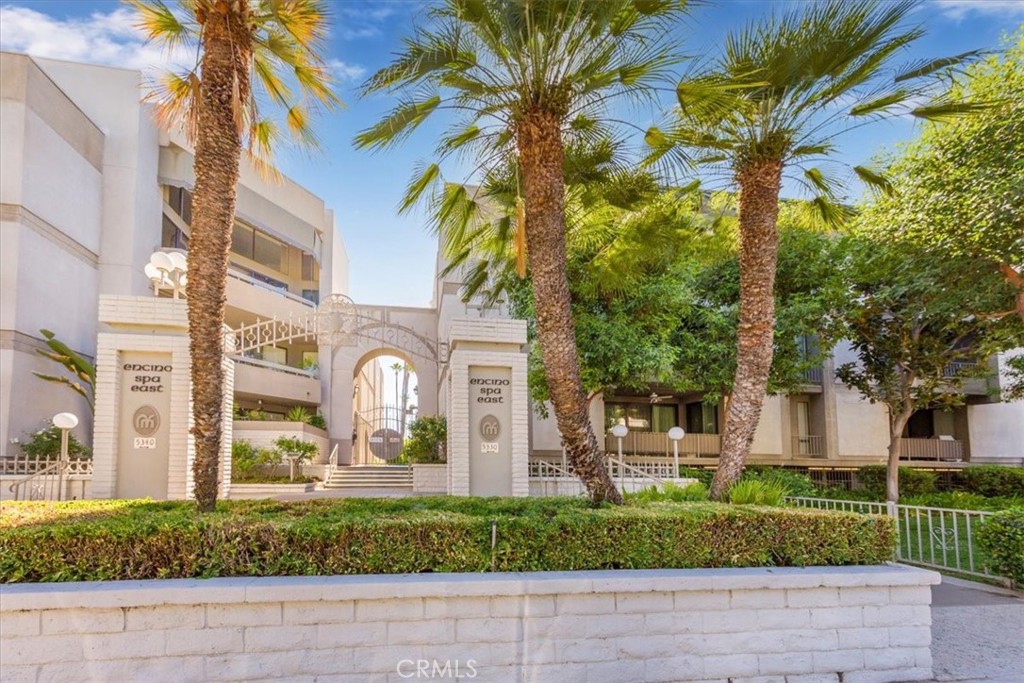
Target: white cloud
960,9
110,39
344,71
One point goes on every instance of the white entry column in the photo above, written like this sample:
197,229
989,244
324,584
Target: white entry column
487,408
142,442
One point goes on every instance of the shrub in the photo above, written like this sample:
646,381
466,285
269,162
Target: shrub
694,493
702,475
45,444
795,483
757,492
317,421
297,414
1002,537
993,480
913,482
112,540
246,458
301,450
428,440
962,500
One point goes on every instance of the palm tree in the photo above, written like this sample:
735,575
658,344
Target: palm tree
248,53
529,78
774,99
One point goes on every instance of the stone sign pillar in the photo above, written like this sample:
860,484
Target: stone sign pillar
487,408
142,446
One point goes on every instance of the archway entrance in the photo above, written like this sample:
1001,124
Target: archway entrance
385,403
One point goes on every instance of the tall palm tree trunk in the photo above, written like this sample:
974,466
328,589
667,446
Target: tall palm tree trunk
217,153
539,141
759,184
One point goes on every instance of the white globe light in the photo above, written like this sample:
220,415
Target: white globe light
65,421
152,272
161,260
619,431
183,280
676,433
179,260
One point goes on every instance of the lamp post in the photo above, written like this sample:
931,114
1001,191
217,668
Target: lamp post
676,434
619,432
65,422
167,270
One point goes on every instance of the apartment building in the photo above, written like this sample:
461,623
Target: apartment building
89,189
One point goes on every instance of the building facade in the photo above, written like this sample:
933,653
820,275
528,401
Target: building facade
90,188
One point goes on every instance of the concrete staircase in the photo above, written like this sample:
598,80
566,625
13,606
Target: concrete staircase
370,477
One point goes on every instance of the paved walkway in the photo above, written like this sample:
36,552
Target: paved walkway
976,635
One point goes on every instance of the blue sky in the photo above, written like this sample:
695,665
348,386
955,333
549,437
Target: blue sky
392,257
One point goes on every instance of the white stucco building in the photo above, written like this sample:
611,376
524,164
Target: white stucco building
90,188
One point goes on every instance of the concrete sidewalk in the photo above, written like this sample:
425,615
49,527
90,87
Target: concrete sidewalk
977,635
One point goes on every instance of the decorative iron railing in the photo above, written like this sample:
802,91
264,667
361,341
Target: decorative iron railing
940,538
26,465
808,446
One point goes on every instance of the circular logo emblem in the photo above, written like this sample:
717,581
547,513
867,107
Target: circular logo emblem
146,421
490,428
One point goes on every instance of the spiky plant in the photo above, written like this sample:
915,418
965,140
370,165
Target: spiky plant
773,101
252,56
529,78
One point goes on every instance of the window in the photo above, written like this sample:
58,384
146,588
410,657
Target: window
275,354
180,199
921,425
310,269
311,295
171,236
641,417
256,246
701,418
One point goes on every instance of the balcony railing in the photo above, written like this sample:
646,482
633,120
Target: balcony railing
658,443
813,375
25,464
270,288
313,372
808,446
931,449
959,368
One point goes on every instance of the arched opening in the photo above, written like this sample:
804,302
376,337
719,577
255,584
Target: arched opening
385,403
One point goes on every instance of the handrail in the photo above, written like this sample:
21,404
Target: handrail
636,472
56,468
332,463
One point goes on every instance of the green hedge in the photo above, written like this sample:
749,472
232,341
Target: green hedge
111,540
993,480
1002,537
913,482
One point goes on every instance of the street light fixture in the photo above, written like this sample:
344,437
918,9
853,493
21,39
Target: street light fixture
65,422
167,270
676,434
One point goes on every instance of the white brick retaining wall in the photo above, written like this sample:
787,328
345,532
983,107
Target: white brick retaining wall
429,478
813,625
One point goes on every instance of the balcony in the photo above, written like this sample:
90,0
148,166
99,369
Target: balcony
813,376
945,449
658,443
806,446
248,294
280,383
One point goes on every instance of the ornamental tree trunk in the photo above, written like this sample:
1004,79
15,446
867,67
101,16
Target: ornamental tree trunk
892,471
539,141
759,184
224,87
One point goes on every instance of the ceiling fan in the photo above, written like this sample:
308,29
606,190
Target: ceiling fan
656,398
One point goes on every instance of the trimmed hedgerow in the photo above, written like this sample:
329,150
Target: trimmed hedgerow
913,482
993,480
87,541
1002,537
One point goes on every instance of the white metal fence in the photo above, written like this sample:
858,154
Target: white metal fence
939,538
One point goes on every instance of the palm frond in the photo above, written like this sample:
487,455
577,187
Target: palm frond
874,180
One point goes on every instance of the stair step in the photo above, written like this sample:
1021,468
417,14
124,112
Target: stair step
370,476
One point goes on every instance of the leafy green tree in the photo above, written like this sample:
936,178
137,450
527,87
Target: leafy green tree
531,78
244,50
428,440
921,323
774,100
83,373
960,185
